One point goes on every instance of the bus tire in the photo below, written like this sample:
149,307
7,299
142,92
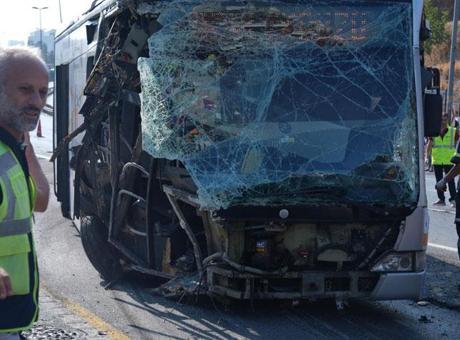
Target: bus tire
102,255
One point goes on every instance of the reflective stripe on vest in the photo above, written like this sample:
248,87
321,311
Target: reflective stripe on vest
17,220
444,148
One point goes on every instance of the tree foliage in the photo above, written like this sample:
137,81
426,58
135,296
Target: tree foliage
438,19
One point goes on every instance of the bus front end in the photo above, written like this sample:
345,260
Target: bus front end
299,124
252,149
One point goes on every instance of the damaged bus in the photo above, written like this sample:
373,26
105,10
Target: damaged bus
249,149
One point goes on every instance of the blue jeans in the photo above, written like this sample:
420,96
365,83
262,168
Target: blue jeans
439,171
457,219
9,336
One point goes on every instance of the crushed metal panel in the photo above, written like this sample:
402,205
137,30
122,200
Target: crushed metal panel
276,102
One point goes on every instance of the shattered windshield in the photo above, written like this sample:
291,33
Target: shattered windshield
284,102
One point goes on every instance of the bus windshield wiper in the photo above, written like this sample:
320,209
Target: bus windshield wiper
323,190
318,191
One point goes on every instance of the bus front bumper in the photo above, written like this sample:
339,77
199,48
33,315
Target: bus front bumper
314,285
396,286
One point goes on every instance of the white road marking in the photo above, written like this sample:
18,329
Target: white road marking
434,245
442,210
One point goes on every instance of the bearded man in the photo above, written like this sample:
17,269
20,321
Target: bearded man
23,186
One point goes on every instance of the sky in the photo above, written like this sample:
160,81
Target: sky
18,18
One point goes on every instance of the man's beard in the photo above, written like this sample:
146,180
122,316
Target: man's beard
15,117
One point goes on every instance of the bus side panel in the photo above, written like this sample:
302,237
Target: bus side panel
72,56
61,118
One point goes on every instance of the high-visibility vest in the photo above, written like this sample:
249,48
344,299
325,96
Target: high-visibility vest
15,229
443,148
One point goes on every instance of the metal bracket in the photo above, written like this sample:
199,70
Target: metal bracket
171,193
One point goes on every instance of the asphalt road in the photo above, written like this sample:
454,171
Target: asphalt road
442,228
134,311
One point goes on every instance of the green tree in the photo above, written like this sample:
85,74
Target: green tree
438,19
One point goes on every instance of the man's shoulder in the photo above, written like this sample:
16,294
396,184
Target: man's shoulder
3,146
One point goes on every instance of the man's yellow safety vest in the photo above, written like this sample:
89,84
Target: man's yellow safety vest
443,148
17,255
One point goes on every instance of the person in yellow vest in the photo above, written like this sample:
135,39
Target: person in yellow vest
442,148
23,186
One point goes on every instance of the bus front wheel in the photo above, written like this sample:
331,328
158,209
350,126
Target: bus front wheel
102,255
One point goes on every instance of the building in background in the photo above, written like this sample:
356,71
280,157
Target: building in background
47,44
15,43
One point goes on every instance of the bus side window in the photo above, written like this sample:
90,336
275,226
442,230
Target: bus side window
91,29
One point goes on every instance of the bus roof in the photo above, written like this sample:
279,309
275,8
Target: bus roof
96,7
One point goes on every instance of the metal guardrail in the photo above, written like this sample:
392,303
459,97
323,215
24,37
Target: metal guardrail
48,109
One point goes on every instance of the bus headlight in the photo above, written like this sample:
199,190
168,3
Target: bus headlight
395,262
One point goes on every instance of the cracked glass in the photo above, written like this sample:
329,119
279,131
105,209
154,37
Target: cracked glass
280,103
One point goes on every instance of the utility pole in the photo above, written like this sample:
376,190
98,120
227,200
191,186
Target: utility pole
60,11
453,55
39,126
40,27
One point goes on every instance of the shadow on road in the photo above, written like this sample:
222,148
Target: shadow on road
207,318
443,280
